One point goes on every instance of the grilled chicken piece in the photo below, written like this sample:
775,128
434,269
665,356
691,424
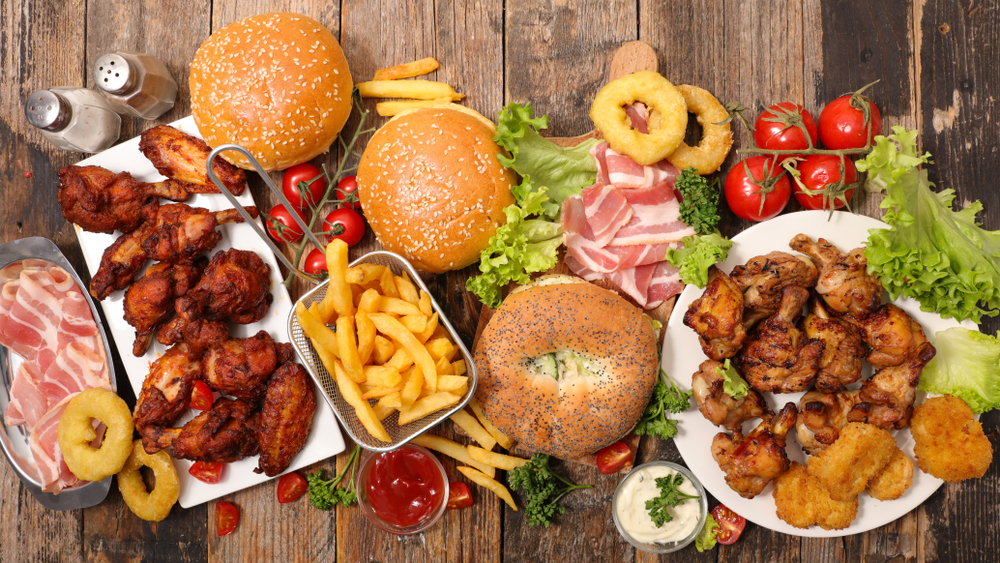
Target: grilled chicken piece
119,264
892,334
821,416
223,434
240,367
717,406
102,201
177,155
840,364
149,302
886,398
165,395
286,418
236,286
763,278
198,334
844,282
751,463
717,316
776,357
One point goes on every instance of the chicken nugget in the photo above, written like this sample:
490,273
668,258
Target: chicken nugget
802,501
845,468
894,479
948,442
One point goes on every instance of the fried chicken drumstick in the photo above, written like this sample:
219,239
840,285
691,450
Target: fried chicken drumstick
177,155
751,463
236,287
844,282
240,367
777,357
165,396
149,302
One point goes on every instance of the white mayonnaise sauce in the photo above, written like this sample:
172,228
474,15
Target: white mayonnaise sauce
634,518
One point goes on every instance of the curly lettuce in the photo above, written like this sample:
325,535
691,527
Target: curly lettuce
966,365
932,253
699,253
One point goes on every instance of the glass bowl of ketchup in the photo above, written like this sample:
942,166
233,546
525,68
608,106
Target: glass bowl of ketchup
403,491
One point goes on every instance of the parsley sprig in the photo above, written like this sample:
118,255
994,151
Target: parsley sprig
700,201
325,494
665,399
543,488
670,497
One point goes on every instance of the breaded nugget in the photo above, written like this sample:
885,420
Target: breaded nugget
802,501
845,468
948,442
894,479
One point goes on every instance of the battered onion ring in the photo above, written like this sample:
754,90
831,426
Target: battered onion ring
76,432
152,505
716,139
660,96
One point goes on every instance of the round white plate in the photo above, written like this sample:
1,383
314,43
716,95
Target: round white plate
682,354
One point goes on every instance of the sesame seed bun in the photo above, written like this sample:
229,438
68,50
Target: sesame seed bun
432,189
277,84
576,415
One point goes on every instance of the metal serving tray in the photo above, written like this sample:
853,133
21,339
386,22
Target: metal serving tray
14,440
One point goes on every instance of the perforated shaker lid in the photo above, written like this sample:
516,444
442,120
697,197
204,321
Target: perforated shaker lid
112,73
46,110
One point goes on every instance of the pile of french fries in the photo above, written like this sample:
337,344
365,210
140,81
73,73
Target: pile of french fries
390,83
388,344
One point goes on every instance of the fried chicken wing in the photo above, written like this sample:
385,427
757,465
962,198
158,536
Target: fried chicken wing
717,316
717,406
240,367
180,156
763,278
822,416
102,201
286,418
892,334
165,395
223,434
776,357
840,364
948,441
844,282
802,501
236,286
886,398
860,453
751,463
198,334
149,302
119,264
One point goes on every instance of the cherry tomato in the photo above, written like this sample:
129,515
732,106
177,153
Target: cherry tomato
346,224
348,185
757,189
612,458
303,185
842,124
730,525
459,496
291,486
227,517
207,471
315,262
780,128
290,232
201,396
819,180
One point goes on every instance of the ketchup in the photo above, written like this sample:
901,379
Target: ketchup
405,487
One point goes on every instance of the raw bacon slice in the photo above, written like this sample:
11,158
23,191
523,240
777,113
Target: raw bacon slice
75,369
27,404
606,210
655,217
44,443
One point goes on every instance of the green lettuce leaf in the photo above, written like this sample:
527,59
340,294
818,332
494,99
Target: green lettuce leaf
732,382
706,539
700,252
967,365
940,257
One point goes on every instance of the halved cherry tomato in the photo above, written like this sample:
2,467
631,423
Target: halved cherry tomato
730,524
348,185
780,127
227,517
842,124
290,231
459,496
819,176
303,185
291,486
201,396
346,224
757,189
207,471
612,458
315,262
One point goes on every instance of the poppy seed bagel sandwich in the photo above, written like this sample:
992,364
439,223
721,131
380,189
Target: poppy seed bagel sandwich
565,367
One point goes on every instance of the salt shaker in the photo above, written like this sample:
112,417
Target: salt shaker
136,84
74,119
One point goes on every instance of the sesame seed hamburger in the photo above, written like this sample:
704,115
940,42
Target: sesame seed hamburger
432,188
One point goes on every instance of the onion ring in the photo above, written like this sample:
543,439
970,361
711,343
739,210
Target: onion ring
154,505
717,137
666,133
76,432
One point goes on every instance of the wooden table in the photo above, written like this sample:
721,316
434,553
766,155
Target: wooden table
937,66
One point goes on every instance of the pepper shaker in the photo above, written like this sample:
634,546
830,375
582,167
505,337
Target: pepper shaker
136,84
75,119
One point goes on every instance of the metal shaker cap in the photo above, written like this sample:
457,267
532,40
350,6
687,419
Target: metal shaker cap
112,73
46,110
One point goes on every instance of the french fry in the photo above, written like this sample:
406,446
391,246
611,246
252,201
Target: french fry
407,291
382,376
500,461
324,356
388,285
384,349
432,325
370,302
389,109
413,386
443,368
348,348
338,293
401,359
314,328
413,89
452,383
391,400
394,329
453,450
439,332
416,324
483,479
504,440
475,430
427,405
441,348
407,70
382,413
378,392
425,303
366,336
364,273
397,306
458,367
352,394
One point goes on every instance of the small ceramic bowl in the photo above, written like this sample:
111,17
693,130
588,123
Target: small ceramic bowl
361,483
675,544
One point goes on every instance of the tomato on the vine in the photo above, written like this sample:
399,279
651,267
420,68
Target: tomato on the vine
201,396
346,224
291,486
315,262
290,230
819,184
459,496
207,471
612,458
757,189
844,122
730,525
347,186
303,185
226,518
783,126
